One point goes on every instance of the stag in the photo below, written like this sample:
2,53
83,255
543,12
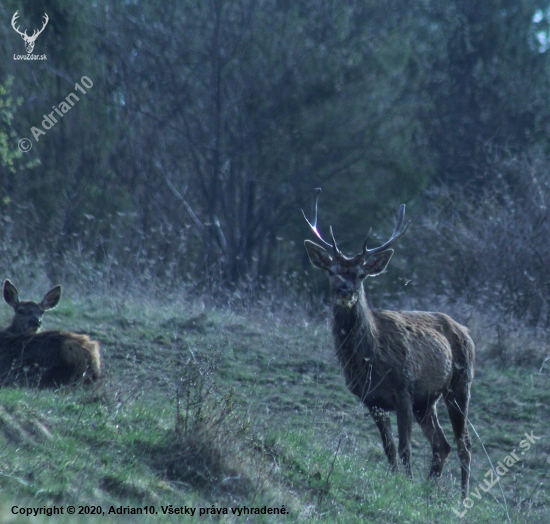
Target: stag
29,40
49,359
402,361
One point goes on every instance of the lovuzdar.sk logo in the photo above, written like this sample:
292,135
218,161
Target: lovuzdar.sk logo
29,40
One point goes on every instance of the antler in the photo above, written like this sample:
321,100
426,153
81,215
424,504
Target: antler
46,19
14,18
313,224
35,33
398,232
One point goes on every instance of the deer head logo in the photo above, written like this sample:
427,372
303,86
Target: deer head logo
29,40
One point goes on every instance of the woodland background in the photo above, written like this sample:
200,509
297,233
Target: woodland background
167,203
209,123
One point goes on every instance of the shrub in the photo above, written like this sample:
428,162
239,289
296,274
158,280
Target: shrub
489,245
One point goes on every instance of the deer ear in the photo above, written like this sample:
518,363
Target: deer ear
51,298
377,263
11,295
318,255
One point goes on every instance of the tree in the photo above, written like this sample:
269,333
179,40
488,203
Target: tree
485,84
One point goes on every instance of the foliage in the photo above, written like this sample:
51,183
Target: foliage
211,407
206,126
483,82
490,250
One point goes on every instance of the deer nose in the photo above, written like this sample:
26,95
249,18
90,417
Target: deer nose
35,322
345,291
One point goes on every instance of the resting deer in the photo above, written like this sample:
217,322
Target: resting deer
28,315
47,359
401,361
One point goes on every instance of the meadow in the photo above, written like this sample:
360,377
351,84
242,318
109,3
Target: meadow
214,406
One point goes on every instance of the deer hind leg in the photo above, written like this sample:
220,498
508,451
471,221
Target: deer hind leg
403,410
426,416
382,419
457,402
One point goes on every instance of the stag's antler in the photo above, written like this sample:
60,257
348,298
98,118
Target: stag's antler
398,232
313,223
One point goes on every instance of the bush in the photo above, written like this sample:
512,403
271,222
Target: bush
490,245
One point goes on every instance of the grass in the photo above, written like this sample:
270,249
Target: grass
206,407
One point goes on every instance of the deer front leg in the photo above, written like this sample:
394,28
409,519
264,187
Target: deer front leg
404,412
383,422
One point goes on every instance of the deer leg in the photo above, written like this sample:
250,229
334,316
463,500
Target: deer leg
403,410
457,404
426,416
382,420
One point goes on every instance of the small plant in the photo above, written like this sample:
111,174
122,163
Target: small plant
205,449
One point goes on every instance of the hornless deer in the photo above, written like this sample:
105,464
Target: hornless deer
28,315
47,359
401,361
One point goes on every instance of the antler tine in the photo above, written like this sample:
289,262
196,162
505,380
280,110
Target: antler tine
367,239
313,223
44,24
398,232
13,20
334,246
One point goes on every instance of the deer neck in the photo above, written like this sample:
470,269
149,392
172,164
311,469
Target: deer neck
10,329
354,329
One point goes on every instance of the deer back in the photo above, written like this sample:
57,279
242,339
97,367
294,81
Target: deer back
48,359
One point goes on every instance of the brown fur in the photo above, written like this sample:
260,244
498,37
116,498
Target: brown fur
49,359
402,361
28,314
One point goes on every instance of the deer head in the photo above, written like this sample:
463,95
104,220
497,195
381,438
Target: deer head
28,315
347,273
29,40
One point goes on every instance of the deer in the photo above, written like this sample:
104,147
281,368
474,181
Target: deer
48,359
28,314
29,40
397,361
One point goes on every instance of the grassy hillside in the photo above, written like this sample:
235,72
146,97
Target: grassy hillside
202,407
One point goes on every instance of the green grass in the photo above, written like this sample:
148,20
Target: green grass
201,407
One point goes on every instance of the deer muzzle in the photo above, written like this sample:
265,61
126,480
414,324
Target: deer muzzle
344,295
